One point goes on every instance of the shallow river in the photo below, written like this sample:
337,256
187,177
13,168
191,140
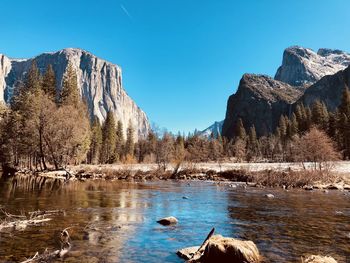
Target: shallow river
116,221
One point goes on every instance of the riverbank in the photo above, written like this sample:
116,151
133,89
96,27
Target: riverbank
281,175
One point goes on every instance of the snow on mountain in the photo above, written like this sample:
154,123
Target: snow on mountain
304,66
215,129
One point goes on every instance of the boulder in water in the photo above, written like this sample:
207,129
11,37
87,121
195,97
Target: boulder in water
225,249
168,221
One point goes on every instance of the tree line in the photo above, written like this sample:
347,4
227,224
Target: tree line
45,127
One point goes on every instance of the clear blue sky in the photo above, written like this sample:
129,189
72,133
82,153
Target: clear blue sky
181,59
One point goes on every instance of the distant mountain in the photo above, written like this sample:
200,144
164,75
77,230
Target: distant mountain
99,81
304,66
303,77
215,129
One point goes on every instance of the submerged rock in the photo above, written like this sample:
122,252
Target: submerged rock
225,249
319,259
168,221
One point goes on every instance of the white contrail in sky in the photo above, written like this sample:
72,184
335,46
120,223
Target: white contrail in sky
125,11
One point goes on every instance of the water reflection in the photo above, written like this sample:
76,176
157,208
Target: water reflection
116,221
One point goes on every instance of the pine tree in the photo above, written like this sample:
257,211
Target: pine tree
332,125
96,141
108,139
119,140
240,130
282,127
30,88
70,93
344,124
294,126
308,120
33,80
252,143
300,114
320,115
49,82
344,107
130,141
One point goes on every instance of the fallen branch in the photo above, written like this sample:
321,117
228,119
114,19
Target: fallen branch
20,222
200,250
59,253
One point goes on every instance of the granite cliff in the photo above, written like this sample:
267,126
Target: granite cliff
304,76
99,82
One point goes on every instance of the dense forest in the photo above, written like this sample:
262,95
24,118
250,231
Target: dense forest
44,128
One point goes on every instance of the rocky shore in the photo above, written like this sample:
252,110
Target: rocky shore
280,178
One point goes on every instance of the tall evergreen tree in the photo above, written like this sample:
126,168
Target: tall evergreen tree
253,146
344,123
294,126
96,141
119,140
108,139
240,130
130,141
70,93
300,114
320,115
49,82
33,80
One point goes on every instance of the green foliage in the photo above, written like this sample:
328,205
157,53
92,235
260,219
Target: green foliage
130,141
70,92
120,141
240,130
49,83
108,139
96,141
36,132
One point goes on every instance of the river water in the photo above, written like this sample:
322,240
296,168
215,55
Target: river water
116,221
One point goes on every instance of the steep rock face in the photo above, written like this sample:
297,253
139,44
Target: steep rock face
5,67
259,101
99,82
215,129
328,89
303,66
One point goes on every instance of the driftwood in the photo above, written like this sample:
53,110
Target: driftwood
200,250
20,222
46,256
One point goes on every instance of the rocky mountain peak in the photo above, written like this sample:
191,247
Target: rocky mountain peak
303,66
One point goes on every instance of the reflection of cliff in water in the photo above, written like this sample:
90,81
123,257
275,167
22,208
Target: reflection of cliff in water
293,224
102,215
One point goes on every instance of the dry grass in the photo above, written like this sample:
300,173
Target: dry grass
268,178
